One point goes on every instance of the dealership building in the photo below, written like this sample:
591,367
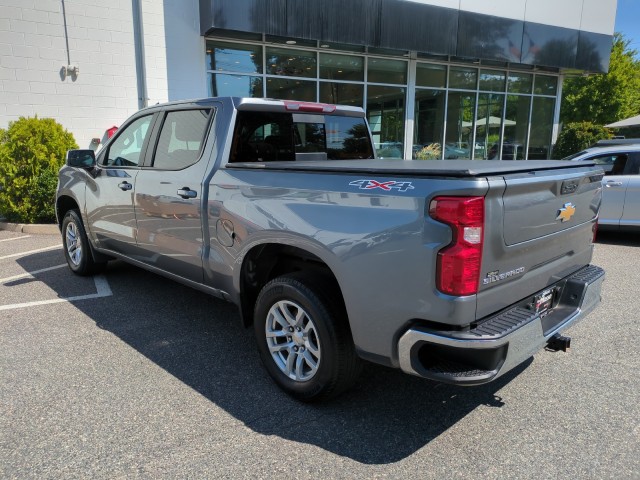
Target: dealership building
438,79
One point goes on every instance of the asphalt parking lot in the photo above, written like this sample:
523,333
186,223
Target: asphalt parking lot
130,375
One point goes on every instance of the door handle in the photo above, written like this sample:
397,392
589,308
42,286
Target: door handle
613,184
125,186
186,192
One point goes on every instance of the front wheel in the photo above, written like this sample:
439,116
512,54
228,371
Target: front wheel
304,339
77,250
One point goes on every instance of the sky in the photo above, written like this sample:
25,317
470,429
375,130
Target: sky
628,21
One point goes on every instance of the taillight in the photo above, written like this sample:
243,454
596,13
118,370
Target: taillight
458,269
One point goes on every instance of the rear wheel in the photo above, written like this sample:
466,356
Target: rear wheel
77,250
304,339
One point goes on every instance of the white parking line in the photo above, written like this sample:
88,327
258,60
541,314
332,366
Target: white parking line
15,238
31,274
23,254
102,290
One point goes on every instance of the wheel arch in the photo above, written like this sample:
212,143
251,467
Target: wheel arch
266,261
64,203
67,202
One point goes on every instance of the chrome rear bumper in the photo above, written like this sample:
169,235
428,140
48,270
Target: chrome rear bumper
501,342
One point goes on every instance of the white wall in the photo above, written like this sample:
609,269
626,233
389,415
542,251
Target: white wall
186,77
153,19
33,51
590,15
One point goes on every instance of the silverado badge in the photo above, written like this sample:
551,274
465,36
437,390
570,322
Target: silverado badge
566,212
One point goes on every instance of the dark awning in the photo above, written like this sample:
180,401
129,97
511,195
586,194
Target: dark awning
403,25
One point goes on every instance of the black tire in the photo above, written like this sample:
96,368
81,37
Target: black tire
337,365
77,249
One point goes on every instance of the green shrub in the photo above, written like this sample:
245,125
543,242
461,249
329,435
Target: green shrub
578,136
32,150
433,151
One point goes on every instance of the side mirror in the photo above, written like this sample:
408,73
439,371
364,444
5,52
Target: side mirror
81,158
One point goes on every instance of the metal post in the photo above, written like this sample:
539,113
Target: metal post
138,38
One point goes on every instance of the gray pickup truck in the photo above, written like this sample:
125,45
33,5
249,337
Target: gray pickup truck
456,271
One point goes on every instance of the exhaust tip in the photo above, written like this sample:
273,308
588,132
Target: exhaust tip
559,342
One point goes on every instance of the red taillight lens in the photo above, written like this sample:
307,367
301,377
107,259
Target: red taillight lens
458,270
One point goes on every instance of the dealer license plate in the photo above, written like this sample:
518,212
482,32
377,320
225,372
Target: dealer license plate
543,301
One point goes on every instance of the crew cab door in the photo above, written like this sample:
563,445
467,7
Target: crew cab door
621,193
631,210
168,194
109,192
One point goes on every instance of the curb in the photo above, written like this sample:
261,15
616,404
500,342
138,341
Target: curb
36,229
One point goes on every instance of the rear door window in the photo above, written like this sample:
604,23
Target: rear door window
181,139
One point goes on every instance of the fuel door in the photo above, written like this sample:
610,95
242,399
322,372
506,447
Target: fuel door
224,232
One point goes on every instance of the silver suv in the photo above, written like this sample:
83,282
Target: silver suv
620,208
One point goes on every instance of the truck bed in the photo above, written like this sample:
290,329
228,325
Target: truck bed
416,168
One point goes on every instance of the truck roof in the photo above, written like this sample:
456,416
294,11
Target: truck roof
268,104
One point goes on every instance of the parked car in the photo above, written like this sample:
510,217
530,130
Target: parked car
620,209
616,141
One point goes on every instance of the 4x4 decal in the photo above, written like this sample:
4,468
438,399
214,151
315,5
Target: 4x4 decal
386,186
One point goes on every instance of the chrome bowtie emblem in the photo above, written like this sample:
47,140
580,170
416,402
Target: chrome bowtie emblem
566,212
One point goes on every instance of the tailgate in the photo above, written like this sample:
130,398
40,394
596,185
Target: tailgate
543,203
539,229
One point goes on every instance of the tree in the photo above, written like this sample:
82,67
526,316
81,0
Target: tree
603,99
578,136
32,150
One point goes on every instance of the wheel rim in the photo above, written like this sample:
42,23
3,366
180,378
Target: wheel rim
293,341
74,245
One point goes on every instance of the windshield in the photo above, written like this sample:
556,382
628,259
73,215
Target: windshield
265,136
575,155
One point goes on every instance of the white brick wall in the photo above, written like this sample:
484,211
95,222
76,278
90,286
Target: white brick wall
185,52
33,51
155,51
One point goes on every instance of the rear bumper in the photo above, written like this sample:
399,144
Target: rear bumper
500,342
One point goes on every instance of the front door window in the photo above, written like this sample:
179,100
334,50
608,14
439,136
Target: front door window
126,148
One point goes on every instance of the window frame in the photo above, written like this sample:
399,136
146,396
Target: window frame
104,154
149,160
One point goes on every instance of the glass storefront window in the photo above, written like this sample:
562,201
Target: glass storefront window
428,75
545,85
291,63
461,110
382,70
224,85
519,82
489,124
291,89
515,129
342,93
465,78
234,57
460,124
428,125
385,113
492,80
341,67
541,128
